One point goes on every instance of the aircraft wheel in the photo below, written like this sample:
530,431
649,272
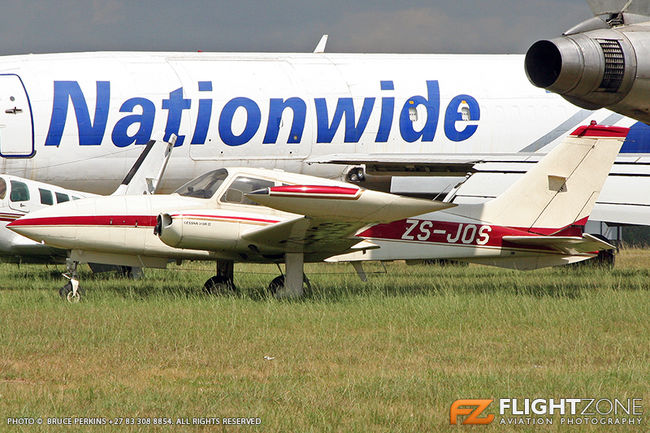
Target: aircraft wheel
605,259
219,284
278,282
66,293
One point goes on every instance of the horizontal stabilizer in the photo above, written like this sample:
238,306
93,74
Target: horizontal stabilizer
564,244
344,203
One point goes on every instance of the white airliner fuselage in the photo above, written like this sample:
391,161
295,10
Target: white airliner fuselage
79,120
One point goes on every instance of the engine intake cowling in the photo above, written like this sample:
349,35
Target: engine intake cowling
595,69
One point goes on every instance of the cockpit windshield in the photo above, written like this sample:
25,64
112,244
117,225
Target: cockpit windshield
205,185
241,186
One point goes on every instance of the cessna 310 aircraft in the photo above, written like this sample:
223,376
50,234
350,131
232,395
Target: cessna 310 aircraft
258,215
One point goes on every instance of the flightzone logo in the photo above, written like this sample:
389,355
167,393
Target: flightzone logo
472,409
542,411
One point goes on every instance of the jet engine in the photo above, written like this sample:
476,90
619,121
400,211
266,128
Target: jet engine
598,63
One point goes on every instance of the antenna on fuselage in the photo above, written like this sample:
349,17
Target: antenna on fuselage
320,48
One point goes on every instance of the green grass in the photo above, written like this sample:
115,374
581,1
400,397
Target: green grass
388,355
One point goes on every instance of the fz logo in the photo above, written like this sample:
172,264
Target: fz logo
473,418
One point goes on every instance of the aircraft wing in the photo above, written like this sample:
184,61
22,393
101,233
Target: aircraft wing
331,216
310,235
459,164
565,244
437,164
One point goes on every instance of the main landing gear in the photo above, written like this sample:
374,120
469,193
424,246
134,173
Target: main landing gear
292,284
221,283
71,291
278,284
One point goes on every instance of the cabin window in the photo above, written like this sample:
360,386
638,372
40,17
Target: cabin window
60,197
19,191
75,198
243,185
3,188
204,186
465,114
46,196
413,114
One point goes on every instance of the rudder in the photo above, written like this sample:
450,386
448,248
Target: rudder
562,188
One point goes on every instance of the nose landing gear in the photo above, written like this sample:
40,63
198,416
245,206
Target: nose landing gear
71,291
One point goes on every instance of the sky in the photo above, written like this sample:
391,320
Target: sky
388,26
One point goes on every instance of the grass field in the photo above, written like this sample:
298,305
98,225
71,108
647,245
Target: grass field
390,355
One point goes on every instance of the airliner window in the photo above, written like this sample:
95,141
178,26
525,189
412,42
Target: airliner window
205,185
243,185
19,191
3,188
60,197
46,196
465,114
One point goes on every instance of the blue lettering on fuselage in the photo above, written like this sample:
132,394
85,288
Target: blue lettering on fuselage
345,107
120,135
432,105
90,133
453,115
241,117
276,108
253,119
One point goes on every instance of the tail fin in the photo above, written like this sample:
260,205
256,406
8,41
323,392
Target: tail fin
145,175
562,188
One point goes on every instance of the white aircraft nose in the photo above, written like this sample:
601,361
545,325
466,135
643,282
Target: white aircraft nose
50,225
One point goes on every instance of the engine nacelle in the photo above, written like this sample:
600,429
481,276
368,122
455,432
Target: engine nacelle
598,68
201,229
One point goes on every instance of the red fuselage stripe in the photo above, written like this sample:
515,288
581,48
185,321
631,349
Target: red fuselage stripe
314,189
89,220
119,220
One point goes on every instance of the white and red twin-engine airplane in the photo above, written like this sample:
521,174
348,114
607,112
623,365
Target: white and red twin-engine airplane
258,215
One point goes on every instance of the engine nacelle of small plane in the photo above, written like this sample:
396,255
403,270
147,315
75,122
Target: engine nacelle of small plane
603,67
199,229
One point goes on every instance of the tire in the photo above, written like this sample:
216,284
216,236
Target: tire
278,283
66,293
219,285
605,258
